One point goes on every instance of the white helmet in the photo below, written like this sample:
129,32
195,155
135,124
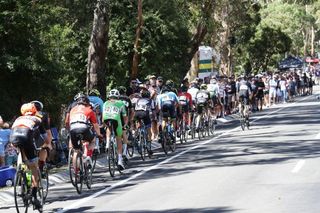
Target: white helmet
114,93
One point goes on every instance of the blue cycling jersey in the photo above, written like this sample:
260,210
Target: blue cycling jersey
167,98
96,100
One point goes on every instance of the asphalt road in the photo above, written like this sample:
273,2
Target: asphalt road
273,167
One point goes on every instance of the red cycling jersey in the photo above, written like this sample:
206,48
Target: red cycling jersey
83,114
185,98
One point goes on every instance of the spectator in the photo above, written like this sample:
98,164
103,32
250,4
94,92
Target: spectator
11,154
4,139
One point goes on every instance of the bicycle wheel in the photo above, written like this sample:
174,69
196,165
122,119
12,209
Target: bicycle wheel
130,146
40,193
149,148
181,130
111,159
172,143
70,166
212,126
193,128
94,159
88,174
20,191
79,173
142,144
242,122
45,182
164,142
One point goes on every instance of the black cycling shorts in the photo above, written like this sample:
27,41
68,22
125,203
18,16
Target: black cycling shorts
79,134
201,107
168,110
23,138
143,115
243,98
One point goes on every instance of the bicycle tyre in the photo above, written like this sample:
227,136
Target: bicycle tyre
40,193
70,166
130,149
242,124
164,144
80,171
111,159
88,175
94,159
141,144
20,191
172,143
45,183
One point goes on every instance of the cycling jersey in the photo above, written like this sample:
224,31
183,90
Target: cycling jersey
202,97
95,100
81,119
169,98
185,99
114,110
193,92
213,89
143,110
127,102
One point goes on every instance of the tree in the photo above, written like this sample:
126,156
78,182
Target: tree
135,60
97,52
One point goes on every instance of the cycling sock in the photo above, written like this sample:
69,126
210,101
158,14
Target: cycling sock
120,157
124,147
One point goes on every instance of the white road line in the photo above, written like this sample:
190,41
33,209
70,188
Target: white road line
84,200
298,166
317,136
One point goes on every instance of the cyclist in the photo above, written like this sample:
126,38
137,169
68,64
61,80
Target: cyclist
144,109
95,98
27,129
244,90
202,103
114,111
47,146
81,120
213,89
130,112
185,101
167,103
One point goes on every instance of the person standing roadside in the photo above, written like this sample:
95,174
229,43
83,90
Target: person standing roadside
260,93
4,139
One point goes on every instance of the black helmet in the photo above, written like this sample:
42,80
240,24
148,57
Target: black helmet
165,89
145,94
81,98
122,90
184,89
38,105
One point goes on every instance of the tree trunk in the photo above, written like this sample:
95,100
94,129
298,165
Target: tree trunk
96,70
136,55
312,41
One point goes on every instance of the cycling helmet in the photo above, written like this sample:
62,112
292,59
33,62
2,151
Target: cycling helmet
165,89
203,86
184,89
169,83
79,95
94,92
114,93
38,105
28,109
122,90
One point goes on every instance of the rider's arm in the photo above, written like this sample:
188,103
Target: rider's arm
93,120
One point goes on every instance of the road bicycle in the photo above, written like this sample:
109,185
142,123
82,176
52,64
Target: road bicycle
168,137
23,197
112,150
182,131
244,115
81,170
140,138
